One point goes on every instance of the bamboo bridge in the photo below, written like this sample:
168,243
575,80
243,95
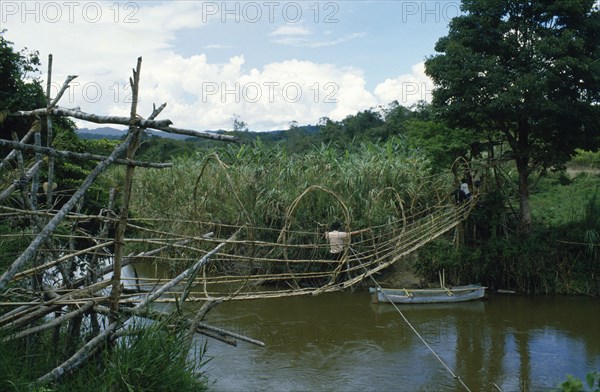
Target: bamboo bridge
53,281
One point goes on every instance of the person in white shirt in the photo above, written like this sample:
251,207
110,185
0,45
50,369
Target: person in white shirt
339,239
465,188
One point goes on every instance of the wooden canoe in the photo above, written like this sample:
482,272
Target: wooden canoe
428,296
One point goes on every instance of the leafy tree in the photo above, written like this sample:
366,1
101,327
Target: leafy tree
299,139
395,118
331,131
353,127
20,89
238,124
440,143
527,72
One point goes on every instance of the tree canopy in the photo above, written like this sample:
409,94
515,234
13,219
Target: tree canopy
19,87
527,72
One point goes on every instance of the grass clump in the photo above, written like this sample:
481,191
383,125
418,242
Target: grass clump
150,358
558,199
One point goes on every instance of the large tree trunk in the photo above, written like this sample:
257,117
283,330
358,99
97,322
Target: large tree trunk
524,208
522,161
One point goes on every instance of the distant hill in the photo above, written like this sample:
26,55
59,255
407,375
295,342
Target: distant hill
100,133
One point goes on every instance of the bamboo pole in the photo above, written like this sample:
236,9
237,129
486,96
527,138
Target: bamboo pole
206,307
204,326
51,324
12,154
52,301
201,328
49,137
161,125
78,156
27,203
53,263
135,132
35,180
62,90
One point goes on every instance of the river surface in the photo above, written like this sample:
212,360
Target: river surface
343,342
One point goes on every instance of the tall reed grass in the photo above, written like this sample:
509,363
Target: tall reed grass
257,185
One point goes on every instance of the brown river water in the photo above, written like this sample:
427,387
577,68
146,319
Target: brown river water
343,342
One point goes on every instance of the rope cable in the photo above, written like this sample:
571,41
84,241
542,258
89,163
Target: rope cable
419,335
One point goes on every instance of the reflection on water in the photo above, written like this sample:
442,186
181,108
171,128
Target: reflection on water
343,342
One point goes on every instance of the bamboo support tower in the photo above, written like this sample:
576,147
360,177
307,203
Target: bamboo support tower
29,253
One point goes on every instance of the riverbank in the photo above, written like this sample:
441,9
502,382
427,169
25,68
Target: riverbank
559,255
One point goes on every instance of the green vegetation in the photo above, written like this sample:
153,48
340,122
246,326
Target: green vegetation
264,180
258,183
559,199
560,254
586,159
574,384
148,358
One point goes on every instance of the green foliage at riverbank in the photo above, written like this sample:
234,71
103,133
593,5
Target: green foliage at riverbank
149,358
560,255
573,384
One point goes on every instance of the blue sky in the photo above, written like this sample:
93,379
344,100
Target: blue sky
269,62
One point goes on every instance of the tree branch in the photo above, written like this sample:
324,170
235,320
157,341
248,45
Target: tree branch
161,125
79,156
64,88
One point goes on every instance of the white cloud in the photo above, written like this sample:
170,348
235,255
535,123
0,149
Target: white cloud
218,46
201,93
291,30
206,95
407,89
302,37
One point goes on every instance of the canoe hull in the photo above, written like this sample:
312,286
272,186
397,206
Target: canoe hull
428,296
